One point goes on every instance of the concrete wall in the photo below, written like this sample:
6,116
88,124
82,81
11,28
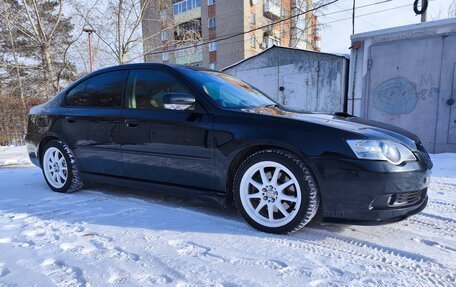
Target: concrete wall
301,80
406,77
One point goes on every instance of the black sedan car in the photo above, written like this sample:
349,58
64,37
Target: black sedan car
206,134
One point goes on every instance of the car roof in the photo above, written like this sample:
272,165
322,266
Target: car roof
150,65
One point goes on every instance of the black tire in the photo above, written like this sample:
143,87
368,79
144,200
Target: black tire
308,186
74,181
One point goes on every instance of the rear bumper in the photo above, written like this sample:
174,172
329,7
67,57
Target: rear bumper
371,192
33,154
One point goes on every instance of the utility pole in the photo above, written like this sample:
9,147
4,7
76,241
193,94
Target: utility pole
89,33
422,10
353,17
423,16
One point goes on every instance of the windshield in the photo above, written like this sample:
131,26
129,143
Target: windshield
227,91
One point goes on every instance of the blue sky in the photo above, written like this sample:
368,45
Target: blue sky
335,35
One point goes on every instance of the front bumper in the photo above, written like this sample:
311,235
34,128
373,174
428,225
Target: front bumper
371,192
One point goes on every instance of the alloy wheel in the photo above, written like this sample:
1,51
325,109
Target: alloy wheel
270,194
55,167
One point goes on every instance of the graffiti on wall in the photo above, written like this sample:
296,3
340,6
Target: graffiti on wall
399,95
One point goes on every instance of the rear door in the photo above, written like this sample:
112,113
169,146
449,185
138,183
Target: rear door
160,145
91,124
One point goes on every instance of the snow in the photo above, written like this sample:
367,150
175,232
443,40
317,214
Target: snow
111,236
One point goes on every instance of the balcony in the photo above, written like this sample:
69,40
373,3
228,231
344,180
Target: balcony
189,56
186,10
271,10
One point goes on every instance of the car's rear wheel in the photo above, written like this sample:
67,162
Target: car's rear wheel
275,191
59,168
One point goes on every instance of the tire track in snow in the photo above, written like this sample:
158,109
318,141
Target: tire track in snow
373,256
441,206
62,274
433,225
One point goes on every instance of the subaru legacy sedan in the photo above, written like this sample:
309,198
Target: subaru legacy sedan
208,135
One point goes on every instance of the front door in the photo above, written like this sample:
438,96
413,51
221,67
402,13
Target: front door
160,145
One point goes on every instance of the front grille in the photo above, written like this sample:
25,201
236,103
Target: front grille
405,199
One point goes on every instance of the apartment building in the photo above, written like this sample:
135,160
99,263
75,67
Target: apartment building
211,33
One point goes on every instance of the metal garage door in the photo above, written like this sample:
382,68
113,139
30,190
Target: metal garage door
403,86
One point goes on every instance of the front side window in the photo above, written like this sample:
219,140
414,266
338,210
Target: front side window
104,90
228,91
147,88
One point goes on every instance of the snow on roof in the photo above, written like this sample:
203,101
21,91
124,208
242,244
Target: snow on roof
419,26
287,48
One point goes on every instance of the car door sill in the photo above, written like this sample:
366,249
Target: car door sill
212,196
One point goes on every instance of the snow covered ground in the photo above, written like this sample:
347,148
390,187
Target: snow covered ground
110,236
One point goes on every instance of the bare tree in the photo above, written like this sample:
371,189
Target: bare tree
41,36
295,25
119,26
7,18
452,9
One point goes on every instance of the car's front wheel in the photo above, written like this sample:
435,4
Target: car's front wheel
59,168
275,191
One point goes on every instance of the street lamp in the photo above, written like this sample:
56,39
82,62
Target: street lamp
89,33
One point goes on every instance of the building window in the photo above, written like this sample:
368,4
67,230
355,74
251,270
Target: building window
212,66
283,12
252,18
283,33
269,41
253,41
210,2
185,5
165,36
165,56
212,46
212,23
163,15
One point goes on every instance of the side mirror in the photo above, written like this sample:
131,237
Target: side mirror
179,101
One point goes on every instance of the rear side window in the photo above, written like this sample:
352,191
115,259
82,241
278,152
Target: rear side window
146,88
103,90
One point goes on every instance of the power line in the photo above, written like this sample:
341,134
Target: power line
249,31
366,14
103,63
223,38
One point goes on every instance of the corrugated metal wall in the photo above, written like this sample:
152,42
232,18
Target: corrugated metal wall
300,80
406,77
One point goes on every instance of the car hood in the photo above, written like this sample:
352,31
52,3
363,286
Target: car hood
363,127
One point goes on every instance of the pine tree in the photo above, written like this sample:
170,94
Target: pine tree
34,38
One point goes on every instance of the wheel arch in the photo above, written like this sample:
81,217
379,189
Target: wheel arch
42,143
244,153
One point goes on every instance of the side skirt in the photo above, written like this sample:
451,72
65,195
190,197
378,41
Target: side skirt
211,196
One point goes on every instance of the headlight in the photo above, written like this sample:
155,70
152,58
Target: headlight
393,152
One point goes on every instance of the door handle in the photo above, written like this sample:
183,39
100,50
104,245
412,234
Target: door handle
70,120
131,123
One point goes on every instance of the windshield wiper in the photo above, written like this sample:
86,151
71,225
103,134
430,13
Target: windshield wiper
270,106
